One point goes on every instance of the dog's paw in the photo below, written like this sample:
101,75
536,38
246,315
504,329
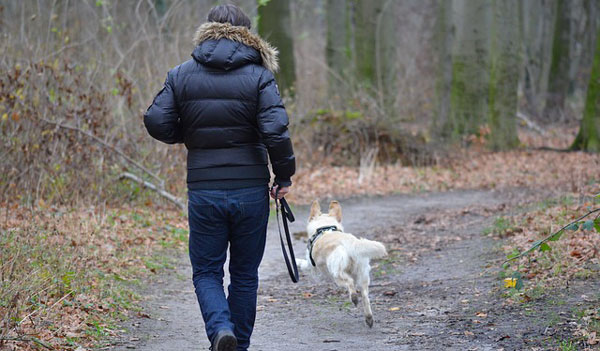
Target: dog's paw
354,298
369,321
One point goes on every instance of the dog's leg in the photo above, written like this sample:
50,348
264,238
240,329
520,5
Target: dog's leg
345,280
337,264
363,285
367,305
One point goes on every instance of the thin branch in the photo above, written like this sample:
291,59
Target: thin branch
151,186
29,339
108,146
530,123
546,239
36,311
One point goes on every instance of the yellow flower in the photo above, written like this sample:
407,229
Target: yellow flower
510,283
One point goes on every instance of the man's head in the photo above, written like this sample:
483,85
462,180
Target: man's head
229,14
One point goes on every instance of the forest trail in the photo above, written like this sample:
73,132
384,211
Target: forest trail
438,289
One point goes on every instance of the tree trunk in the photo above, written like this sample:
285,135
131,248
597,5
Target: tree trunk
275,26
469,87
558,84
537,34
588,138
584,20
338,49
443,44
375,49
504,74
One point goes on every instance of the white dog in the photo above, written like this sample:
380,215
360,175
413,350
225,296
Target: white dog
340,255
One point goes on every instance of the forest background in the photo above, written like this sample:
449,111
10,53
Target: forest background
383,96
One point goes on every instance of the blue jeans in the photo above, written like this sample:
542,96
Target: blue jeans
237,217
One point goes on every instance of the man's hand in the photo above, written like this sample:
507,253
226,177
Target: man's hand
282,191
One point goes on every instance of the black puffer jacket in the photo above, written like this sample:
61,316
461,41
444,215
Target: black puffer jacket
225,106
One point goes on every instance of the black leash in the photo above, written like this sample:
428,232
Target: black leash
286,214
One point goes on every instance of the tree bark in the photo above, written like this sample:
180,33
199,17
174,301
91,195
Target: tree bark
469,87
538,18
375,49
338,49
588,138
558,81
443,45
274,24
504,74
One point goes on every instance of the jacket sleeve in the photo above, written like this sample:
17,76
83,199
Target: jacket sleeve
272,125
161,119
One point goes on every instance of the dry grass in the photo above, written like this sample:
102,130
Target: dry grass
576,255
69,275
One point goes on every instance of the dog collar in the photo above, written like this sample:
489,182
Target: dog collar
316,236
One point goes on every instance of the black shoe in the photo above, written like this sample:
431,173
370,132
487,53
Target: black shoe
225,341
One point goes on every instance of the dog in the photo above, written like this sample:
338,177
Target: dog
340,255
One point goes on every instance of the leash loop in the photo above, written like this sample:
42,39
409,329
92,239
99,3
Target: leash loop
286,215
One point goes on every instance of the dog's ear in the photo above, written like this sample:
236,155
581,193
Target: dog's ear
335,210
315,210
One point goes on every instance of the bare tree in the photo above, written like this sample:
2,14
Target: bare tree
375,49
339,46
275,25
470,82
505,64
537,24
588,138
558,83
443,39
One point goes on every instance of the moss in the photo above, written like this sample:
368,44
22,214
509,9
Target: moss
503,83
588,138
275,26
469,73
558,84
467,107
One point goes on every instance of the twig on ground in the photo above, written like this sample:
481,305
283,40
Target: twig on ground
29,339
532,125
151,186
36,311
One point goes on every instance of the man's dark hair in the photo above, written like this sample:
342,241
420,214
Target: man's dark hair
229,14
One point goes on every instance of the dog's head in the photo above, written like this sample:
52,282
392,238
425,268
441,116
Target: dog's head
317,220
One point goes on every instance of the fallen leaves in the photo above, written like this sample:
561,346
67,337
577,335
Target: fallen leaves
307,295
70,269
473,170
573,251
592,339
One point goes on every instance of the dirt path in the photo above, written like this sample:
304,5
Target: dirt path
437,290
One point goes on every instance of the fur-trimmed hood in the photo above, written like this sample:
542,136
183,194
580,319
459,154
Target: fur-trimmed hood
216,31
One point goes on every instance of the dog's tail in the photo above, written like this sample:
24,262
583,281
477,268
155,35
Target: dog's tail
369,248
